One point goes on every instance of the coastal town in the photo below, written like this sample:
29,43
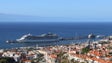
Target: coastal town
98,51
55,31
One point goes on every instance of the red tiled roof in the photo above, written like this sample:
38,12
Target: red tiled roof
53,56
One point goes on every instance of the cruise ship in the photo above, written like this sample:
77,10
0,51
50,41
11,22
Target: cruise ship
48,37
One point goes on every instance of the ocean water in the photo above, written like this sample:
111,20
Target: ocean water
12,31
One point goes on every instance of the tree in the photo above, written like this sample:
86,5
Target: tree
3,61
72,61
7,60
85,50
62,58
40,57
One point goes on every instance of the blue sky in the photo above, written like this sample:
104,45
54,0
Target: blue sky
94,10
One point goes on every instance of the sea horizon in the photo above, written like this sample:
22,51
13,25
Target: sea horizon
15,30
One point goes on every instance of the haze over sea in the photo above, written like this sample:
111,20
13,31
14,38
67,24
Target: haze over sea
12,31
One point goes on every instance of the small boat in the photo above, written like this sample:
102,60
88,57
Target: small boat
100,36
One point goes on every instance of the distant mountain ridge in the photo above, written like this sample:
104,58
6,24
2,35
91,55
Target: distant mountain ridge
10,17
24,18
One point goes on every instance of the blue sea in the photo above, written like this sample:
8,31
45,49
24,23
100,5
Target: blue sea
12,31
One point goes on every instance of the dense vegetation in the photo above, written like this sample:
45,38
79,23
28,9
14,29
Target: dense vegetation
85,50
7,60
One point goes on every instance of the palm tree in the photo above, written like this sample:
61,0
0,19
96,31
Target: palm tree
72,60
62,58
40,57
